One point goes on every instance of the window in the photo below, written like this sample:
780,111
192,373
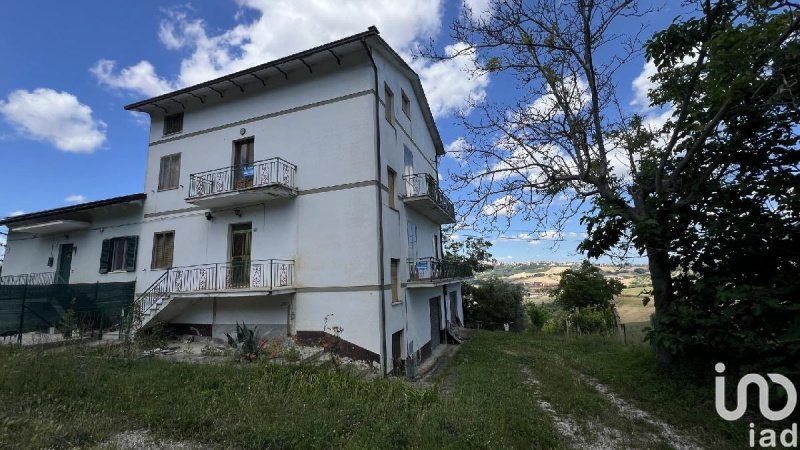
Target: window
170,172
406,103
391,181
163,247
119,254
389,103
395,286
173,124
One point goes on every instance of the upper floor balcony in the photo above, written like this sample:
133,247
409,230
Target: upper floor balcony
251,183
424,195
428,271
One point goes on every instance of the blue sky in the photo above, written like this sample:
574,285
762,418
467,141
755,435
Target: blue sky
65,138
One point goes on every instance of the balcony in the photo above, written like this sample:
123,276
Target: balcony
231,277
433,271
423,194
246,184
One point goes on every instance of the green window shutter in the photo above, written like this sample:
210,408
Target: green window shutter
105,256
130,253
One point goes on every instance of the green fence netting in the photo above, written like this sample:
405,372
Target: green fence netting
88,306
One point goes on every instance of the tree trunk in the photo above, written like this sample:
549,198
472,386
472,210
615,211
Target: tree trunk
661,276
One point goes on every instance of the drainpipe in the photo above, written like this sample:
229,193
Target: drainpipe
379,201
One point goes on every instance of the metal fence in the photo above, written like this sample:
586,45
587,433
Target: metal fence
65,309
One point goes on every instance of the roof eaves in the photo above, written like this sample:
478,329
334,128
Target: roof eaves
372,31
74,208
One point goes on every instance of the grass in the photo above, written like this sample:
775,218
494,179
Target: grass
483,399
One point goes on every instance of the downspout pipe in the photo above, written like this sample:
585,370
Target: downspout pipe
379,201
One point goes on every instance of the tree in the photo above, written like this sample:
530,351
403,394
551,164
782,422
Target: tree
472,251
494,302
726,78
586,287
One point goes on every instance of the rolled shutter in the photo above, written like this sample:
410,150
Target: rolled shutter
105,256
131,250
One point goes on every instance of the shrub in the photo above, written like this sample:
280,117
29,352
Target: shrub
493,303
247,342
586,286
589,320
538,315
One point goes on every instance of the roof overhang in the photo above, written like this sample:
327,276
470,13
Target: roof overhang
53,226
177,101
68,216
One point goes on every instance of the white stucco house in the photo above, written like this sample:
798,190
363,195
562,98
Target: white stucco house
296,190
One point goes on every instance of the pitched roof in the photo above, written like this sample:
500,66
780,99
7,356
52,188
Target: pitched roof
73,208
372,35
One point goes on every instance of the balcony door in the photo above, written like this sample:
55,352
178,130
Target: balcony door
408,172
243,169
239,267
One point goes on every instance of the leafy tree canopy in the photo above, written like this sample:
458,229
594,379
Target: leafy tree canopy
586,286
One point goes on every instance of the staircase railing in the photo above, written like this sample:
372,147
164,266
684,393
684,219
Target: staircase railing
158,290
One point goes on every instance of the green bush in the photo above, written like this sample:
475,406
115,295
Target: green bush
495,302
538,315
589,320
586,286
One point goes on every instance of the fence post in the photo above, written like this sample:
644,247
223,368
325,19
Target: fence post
22,312
100,325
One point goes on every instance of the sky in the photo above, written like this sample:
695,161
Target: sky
67,73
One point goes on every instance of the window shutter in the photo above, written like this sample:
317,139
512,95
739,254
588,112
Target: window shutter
169,247
105,256
131,249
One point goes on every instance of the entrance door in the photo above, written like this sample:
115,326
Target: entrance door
64,263
436,320
243,169
397,353
454,307
239,270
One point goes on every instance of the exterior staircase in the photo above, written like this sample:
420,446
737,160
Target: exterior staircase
150,302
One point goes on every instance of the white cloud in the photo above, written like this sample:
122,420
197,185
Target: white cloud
503,206
642,85
479,9
55,117
452,84
140,78
283,27
75,198
16,213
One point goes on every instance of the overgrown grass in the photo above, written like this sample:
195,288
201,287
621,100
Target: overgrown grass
79,398
629,371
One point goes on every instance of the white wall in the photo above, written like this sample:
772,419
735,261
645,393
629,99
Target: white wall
29,253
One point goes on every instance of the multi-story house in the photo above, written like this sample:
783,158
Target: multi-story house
290,196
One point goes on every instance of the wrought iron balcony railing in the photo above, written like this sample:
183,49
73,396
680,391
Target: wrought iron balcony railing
423,184
429,269
269,172
254,275
31,279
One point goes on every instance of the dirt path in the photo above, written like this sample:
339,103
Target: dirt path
600,434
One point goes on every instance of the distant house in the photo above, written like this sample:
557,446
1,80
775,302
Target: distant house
301,189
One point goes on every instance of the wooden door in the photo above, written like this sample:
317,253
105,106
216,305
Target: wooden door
64,263
436,320
239,267
243,169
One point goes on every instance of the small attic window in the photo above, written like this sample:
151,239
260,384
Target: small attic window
406,103
173,124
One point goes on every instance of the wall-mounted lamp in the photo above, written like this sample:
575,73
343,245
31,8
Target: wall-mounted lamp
209,216
50,262
238,212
